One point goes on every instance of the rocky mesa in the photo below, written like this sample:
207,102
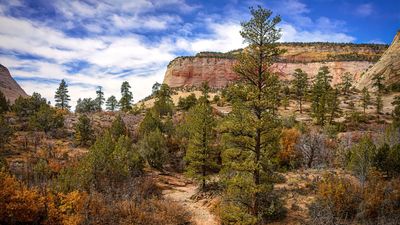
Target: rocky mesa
216,68
9,86
388,65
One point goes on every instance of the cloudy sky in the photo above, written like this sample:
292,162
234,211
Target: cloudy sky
92,43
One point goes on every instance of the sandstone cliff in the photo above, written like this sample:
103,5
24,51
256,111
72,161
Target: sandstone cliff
216,68
388,65
9,86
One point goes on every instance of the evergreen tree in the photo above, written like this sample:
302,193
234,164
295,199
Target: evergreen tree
378,80
111,103
365,98
83,131
188,102
126,100
125,159
396,111
87,105
286,97
163,104
320,92
252,129
333,105
100,98
153,149
347,83
200,156
300,84
5,132
61,97
150,122
46,119
155,88
4,104
118,128
110,161
26,107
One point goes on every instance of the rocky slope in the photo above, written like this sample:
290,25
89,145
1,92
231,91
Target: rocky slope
388,65
9,86
216,68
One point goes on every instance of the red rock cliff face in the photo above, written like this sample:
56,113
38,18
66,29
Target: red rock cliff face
193,71
216,68
9,86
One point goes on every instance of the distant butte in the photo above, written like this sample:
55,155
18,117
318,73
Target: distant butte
216,68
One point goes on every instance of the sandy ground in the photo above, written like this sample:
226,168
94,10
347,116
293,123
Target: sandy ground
180,190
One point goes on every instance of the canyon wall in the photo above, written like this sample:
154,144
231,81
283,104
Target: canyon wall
216,68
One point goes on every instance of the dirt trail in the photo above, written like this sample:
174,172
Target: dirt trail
180,190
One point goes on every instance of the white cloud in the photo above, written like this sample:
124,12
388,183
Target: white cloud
150,22
365,9
291,34
223,37
114,55
109,15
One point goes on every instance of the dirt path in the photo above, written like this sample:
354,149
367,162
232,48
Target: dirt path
180,190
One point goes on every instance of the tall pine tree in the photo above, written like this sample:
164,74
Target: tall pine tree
365,98
201,153
126,100
61,97
347,83
378,80
99,98
300,85
252,129
333,105
320,93
111,103
163,104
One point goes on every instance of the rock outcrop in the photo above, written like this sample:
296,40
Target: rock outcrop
216,68
388,65
9,86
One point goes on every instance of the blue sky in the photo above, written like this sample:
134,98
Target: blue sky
103,43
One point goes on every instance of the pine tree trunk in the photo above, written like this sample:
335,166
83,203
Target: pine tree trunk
256,173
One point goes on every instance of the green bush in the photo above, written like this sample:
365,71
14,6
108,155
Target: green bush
188,102
46,119
83,131
153,149
361,158
4,104
26,107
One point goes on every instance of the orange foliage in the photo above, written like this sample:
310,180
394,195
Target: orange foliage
288,156
22,205
66,209
381,196
340,195
18,203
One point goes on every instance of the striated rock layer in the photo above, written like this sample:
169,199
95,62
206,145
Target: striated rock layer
388,65
9,86
216,68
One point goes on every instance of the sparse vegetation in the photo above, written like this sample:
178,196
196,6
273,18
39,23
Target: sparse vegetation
262,150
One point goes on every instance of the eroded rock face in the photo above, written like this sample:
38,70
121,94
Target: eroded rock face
9,86
388,65
189,72
216,68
